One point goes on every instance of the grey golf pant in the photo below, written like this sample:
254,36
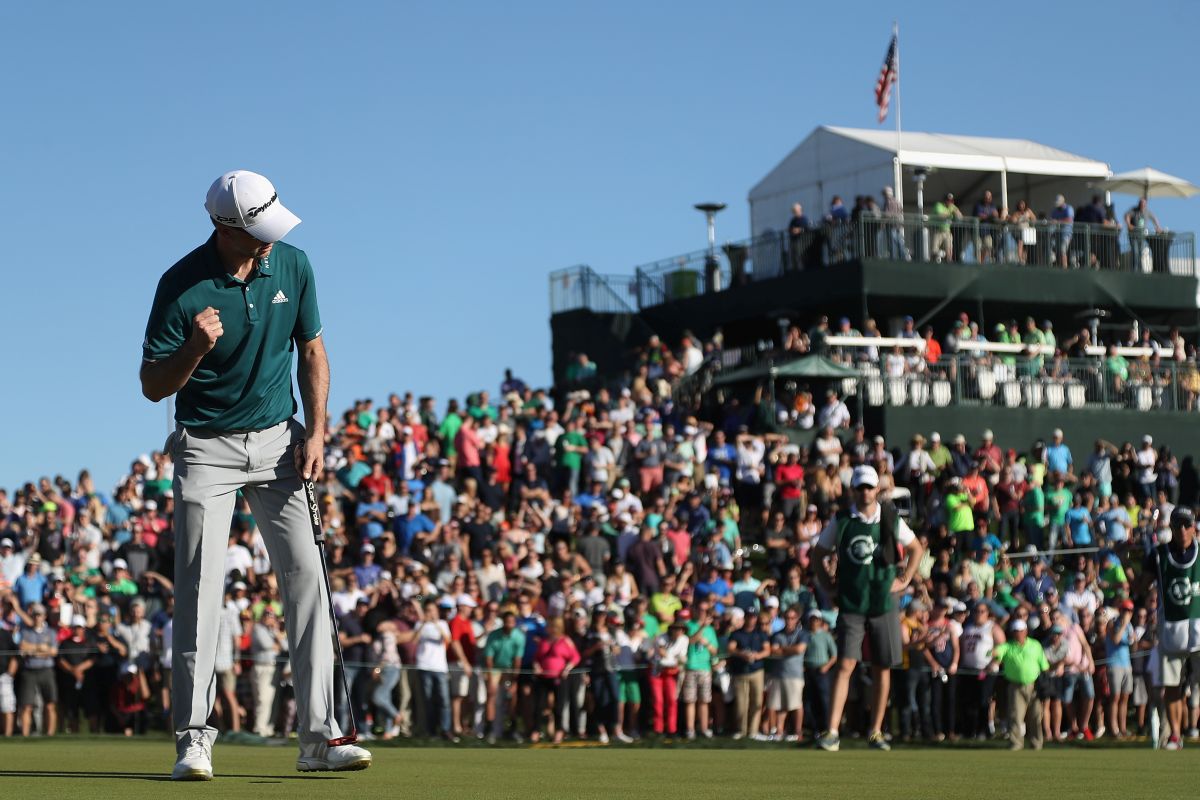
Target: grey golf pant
209,470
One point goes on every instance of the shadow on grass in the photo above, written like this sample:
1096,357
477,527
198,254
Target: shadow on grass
147,776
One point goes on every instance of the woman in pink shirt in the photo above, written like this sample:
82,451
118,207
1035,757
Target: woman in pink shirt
554,658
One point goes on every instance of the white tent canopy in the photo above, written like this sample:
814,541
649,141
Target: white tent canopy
853,161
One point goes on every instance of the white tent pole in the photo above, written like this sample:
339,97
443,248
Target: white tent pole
1004,188
897,167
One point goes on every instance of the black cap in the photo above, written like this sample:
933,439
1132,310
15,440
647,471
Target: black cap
1182,517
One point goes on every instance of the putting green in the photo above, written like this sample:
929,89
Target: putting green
100,767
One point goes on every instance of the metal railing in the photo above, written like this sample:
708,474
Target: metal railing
582,287
1038,243
910,238
1011,381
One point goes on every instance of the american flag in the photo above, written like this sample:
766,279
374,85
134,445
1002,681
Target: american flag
887,76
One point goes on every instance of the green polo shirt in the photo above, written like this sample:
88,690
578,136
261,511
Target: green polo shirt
505,650
1021,664
245,381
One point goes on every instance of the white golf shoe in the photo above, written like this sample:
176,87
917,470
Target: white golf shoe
194,763
321,757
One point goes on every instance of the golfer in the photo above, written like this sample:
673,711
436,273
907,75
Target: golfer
222,329
866,539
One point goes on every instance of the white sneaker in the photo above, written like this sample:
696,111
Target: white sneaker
738,736
321,757
195,763
603,739
624,737
791,737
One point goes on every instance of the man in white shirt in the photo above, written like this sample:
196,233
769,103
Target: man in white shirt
834,413
1147,460
433,637
238,558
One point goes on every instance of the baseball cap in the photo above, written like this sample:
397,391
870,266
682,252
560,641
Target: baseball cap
864,476
1182,517
7,543
814,614
446,602
1019,625
935,437
79,621
1126,605
1057,433
36,608
684,614
247,200
1147,439
772,602
467,601
987,434
368,548
120,563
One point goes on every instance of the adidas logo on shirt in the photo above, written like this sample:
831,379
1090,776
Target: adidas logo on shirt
279,297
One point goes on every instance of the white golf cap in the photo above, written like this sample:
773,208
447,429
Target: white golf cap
864,476
1019,625
119,563
78,621
467,601
247,200
772,601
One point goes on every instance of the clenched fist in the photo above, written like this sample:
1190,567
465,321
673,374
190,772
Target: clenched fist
206,329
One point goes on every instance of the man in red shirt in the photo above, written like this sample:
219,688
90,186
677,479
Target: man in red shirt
462,630
378,481
933,350
990,457
977,486
789,478
466,443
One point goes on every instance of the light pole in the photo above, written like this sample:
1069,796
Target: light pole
919,176
712,267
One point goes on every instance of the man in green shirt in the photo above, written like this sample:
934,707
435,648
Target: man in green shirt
960,519
224,324
1058,503
939,454
570,449
1033,515
501,655
944,211
1021,661
868,580
697,677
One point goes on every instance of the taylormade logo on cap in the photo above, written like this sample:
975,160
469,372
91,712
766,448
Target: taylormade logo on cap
247,200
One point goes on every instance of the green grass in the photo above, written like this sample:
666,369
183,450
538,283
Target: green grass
107,767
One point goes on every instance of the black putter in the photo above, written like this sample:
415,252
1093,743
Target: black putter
314,514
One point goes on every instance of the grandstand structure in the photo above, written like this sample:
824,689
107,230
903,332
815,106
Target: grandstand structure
1117,282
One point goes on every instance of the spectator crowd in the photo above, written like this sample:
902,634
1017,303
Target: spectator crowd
609,567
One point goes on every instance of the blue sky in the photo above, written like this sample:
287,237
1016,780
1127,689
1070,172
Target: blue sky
446,156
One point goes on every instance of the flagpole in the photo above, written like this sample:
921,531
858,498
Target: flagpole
897,167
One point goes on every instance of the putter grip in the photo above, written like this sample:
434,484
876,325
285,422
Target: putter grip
314,513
